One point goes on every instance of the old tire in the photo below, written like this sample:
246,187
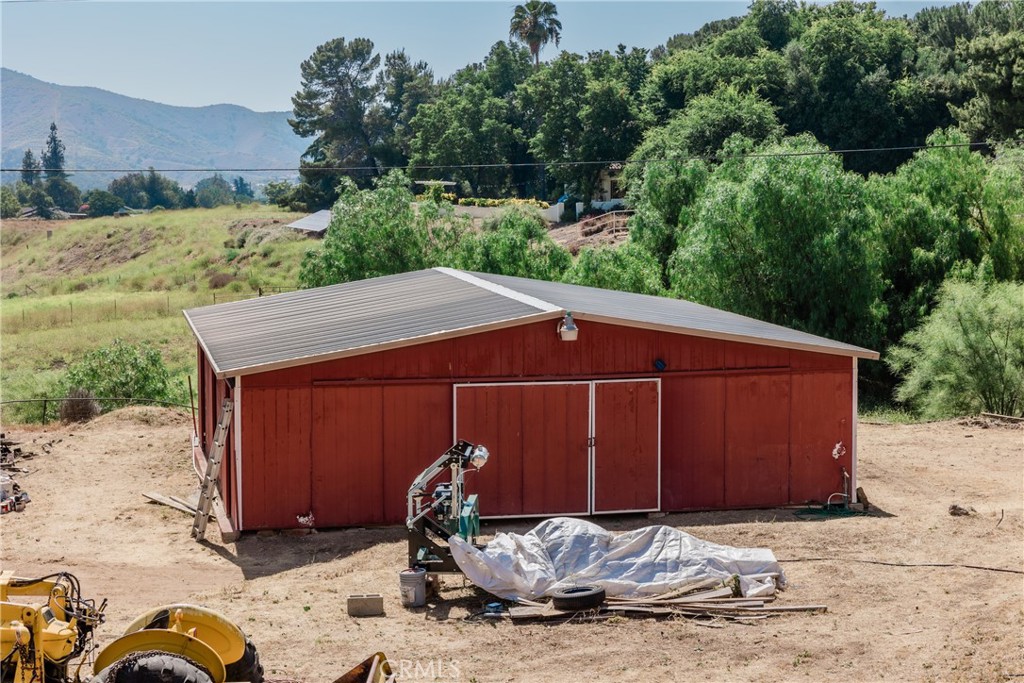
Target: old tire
248,668
578,598
153,667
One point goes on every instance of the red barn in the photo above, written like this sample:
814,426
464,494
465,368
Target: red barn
343,394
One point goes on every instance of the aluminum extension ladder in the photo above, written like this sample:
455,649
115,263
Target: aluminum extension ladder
208,491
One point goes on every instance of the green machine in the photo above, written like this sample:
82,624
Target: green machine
438,509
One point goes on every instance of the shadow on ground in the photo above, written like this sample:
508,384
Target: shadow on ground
267,554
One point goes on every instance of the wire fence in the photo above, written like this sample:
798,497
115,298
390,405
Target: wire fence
44,315
47,402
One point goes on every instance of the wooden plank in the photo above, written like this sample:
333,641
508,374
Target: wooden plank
189,504
165,500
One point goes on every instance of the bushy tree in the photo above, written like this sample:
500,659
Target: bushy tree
739,57
243,190
475,119
41,202
379,232
331,107
278,192
785,239
707,121
214,191
626,268
102,203
968,354
945,208
53,157
147,190
403,85
120,370
517,243
663,197
9,204
585,112
995,76
66,196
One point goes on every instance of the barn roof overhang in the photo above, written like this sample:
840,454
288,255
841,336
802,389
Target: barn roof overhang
394,311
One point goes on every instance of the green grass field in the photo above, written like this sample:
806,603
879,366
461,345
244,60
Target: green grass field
94,281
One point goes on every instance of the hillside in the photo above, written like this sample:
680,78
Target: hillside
104,130
92,281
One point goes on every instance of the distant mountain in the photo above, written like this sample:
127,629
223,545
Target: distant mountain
101,129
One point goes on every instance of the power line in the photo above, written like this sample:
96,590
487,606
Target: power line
525,164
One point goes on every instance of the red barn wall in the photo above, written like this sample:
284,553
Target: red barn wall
742,425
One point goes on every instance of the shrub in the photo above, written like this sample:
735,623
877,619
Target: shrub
968,355
219,280
82,408
492,203
121,370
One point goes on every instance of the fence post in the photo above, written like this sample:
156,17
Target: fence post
71,305
115,309
44,411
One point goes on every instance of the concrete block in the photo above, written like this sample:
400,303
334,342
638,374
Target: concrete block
365,605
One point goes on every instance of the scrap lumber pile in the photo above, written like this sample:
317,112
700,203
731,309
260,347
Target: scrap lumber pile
712,599
12,497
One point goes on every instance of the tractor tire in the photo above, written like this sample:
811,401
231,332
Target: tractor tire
248,668
153,667
578,598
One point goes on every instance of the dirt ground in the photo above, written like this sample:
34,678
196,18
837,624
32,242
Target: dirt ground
891,623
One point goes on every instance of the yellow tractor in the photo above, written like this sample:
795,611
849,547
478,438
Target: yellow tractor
45,624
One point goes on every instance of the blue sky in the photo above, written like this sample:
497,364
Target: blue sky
248,53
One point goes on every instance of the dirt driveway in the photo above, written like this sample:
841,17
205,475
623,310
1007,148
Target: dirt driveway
884,622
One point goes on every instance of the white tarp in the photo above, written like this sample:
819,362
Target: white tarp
564,552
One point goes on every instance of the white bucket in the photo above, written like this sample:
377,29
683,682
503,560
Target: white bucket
413,586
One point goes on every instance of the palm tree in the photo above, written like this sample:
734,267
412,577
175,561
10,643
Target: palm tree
535,24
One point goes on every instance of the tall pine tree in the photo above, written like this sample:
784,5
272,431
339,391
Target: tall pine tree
53,157
30,168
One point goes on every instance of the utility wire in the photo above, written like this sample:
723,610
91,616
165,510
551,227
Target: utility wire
527,164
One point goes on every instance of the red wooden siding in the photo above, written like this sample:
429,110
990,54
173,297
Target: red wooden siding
417,430
742,425
693,442
625,446
757,440
820,418
277,449
534,350
555,458
348,457
537,436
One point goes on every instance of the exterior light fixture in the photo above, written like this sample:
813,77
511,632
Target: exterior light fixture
567,329
479,457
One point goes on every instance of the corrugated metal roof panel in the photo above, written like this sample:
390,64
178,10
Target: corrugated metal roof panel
315,223
290,329
286,329
674,314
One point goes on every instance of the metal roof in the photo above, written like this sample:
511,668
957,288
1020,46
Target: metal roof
673,315
257,335
314,223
